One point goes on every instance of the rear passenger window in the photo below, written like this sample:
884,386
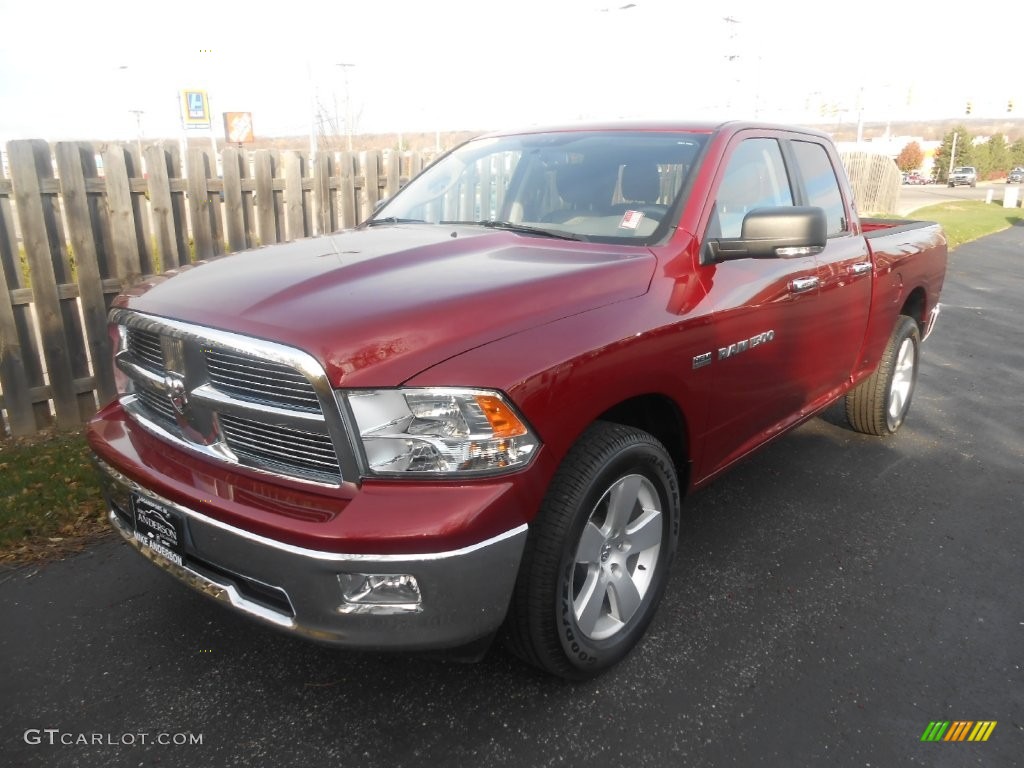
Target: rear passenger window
821,183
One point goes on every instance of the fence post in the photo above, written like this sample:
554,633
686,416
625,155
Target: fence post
484,182
234,211
31,167
415,164
123,234
14,328
293,197
199,204
323,218
393,173
72,157
266,214
179,200
369,194
500,184
166,219
348,217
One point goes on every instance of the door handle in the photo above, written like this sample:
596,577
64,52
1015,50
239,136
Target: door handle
803,284
860,268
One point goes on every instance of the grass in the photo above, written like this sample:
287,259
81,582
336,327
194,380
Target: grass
50,501
967,220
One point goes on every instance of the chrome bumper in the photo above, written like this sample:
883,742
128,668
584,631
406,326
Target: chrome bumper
464,593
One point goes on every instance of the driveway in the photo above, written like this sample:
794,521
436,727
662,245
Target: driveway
832,596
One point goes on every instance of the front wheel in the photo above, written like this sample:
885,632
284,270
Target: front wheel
598,554
879,404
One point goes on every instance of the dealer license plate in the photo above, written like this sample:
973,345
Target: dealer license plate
159,529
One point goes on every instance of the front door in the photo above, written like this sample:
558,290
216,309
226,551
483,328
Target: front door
762,310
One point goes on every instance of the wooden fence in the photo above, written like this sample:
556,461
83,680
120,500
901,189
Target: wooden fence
79,222
875,180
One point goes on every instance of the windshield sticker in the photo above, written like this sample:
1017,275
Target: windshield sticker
631,219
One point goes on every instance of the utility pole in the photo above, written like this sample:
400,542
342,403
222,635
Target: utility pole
860,115
215,159
182,137
952,156
345,67
312,115
138,115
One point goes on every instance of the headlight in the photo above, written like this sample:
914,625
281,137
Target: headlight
440,431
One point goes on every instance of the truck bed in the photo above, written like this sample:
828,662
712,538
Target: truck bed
876,227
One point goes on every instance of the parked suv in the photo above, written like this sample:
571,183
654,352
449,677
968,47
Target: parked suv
965,174
1016,176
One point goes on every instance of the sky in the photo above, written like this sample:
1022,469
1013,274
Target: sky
74,70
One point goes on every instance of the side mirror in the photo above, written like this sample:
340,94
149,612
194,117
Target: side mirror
783,232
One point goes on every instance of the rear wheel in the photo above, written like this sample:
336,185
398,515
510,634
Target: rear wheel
598,554
879,404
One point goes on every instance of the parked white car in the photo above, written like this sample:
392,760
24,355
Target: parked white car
963,175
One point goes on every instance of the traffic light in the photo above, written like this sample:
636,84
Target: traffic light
1009,106
970,106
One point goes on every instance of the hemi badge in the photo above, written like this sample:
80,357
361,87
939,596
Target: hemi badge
699,361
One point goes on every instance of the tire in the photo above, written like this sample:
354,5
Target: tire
598,554
879,404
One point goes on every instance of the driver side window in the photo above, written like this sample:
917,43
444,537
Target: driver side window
755,177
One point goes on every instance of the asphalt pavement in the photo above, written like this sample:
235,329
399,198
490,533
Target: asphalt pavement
914,196
832,596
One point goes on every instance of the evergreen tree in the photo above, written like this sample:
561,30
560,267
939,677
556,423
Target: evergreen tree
994,160
1017,153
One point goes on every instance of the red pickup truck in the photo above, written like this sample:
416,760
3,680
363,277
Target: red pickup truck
478,413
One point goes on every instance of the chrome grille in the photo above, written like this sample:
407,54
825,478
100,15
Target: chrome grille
145,347
159,405
246,401
291,449
260,381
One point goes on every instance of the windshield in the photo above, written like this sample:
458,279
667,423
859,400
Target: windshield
605,186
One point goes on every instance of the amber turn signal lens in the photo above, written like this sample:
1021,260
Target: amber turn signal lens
503,421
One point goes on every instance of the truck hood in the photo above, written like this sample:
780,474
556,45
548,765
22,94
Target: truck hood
377,306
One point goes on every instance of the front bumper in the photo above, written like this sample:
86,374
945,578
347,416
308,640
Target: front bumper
464,593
